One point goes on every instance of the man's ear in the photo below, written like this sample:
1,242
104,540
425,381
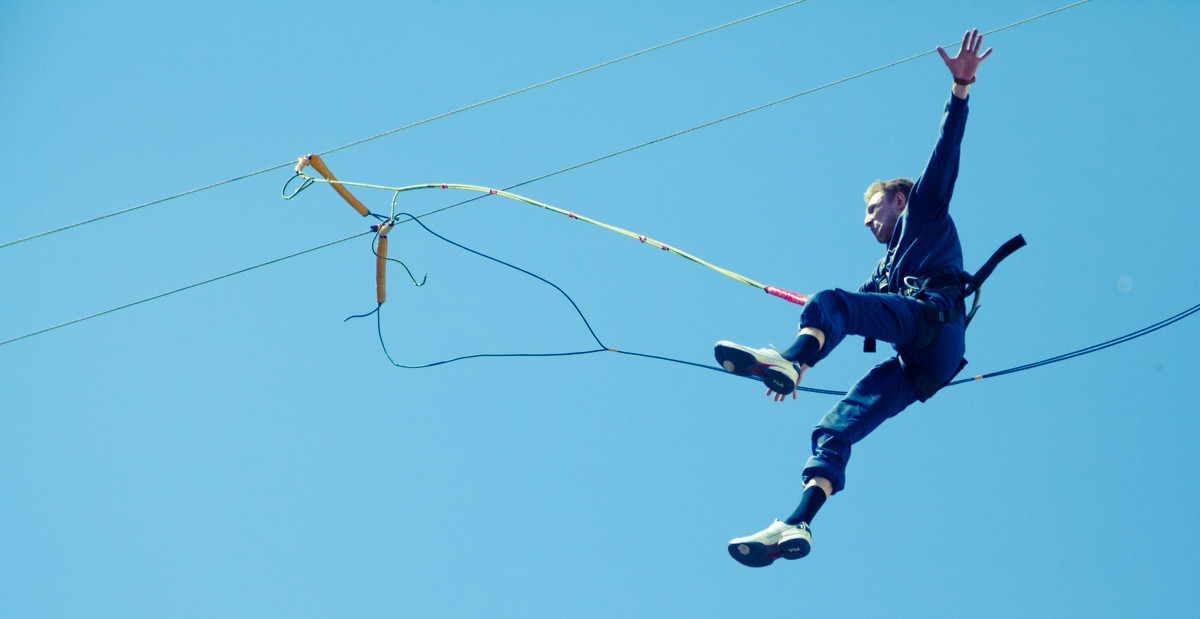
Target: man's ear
901,201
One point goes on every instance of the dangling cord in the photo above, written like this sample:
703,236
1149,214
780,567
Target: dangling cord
379,248
379,325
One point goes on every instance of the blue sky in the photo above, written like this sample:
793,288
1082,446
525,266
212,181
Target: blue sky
236,449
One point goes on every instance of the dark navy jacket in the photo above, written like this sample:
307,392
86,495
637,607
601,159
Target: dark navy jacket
925,241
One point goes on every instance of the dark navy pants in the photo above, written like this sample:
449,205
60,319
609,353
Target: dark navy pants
885,390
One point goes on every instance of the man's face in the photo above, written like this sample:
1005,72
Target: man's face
883,213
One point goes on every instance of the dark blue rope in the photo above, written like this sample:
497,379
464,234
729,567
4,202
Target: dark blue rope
602,348
511,266
1088,350
379,322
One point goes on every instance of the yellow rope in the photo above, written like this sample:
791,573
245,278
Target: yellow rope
572,215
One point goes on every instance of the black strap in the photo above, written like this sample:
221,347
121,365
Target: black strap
954,280
1012,245
923,382
933,317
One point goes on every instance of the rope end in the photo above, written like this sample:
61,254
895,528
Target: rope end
786,295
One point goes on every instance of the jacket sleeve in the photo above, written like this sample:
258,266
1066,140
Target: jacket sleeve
872,283
930,196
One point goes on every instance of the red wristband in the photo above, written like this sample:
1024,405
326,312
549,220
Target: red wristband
965,82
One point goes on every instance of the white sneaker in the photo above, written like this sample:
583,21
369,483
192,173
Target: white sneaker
778,540
777,373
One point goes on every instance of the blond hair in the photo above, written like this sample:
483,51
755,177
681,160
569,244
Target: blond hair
889,188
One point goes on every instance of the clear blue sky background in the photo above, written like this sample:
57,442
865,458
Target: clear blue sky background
237,450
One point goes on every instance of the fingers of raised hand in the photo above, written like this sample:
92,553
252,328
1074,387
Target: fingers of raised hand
972,41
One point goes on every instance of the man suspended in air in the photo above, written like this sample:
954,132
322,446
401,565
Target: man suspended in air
913,299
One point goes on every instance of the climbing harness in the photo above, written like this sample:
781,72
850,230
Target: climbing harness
958,286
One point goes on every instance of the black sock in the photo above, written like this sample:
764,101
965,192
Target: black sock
814,497
803,349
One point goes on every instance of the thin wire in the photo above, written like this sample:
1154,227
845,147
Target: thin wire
510,187
405,127
528,88
579,72
745,112
1044,362
177,290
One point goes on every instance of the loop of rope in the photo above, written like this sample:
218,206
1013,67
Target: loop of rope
289,196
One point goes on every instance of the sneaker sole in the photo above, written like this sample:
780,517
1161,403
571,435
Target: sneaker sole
778,381
796,548
755,554
742,363
736,361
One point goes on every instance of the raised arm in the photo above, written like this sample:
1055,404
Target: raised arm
930,196
964,65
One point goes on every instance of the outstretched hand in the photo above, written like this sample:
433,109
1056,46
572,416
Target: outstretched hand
964,65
